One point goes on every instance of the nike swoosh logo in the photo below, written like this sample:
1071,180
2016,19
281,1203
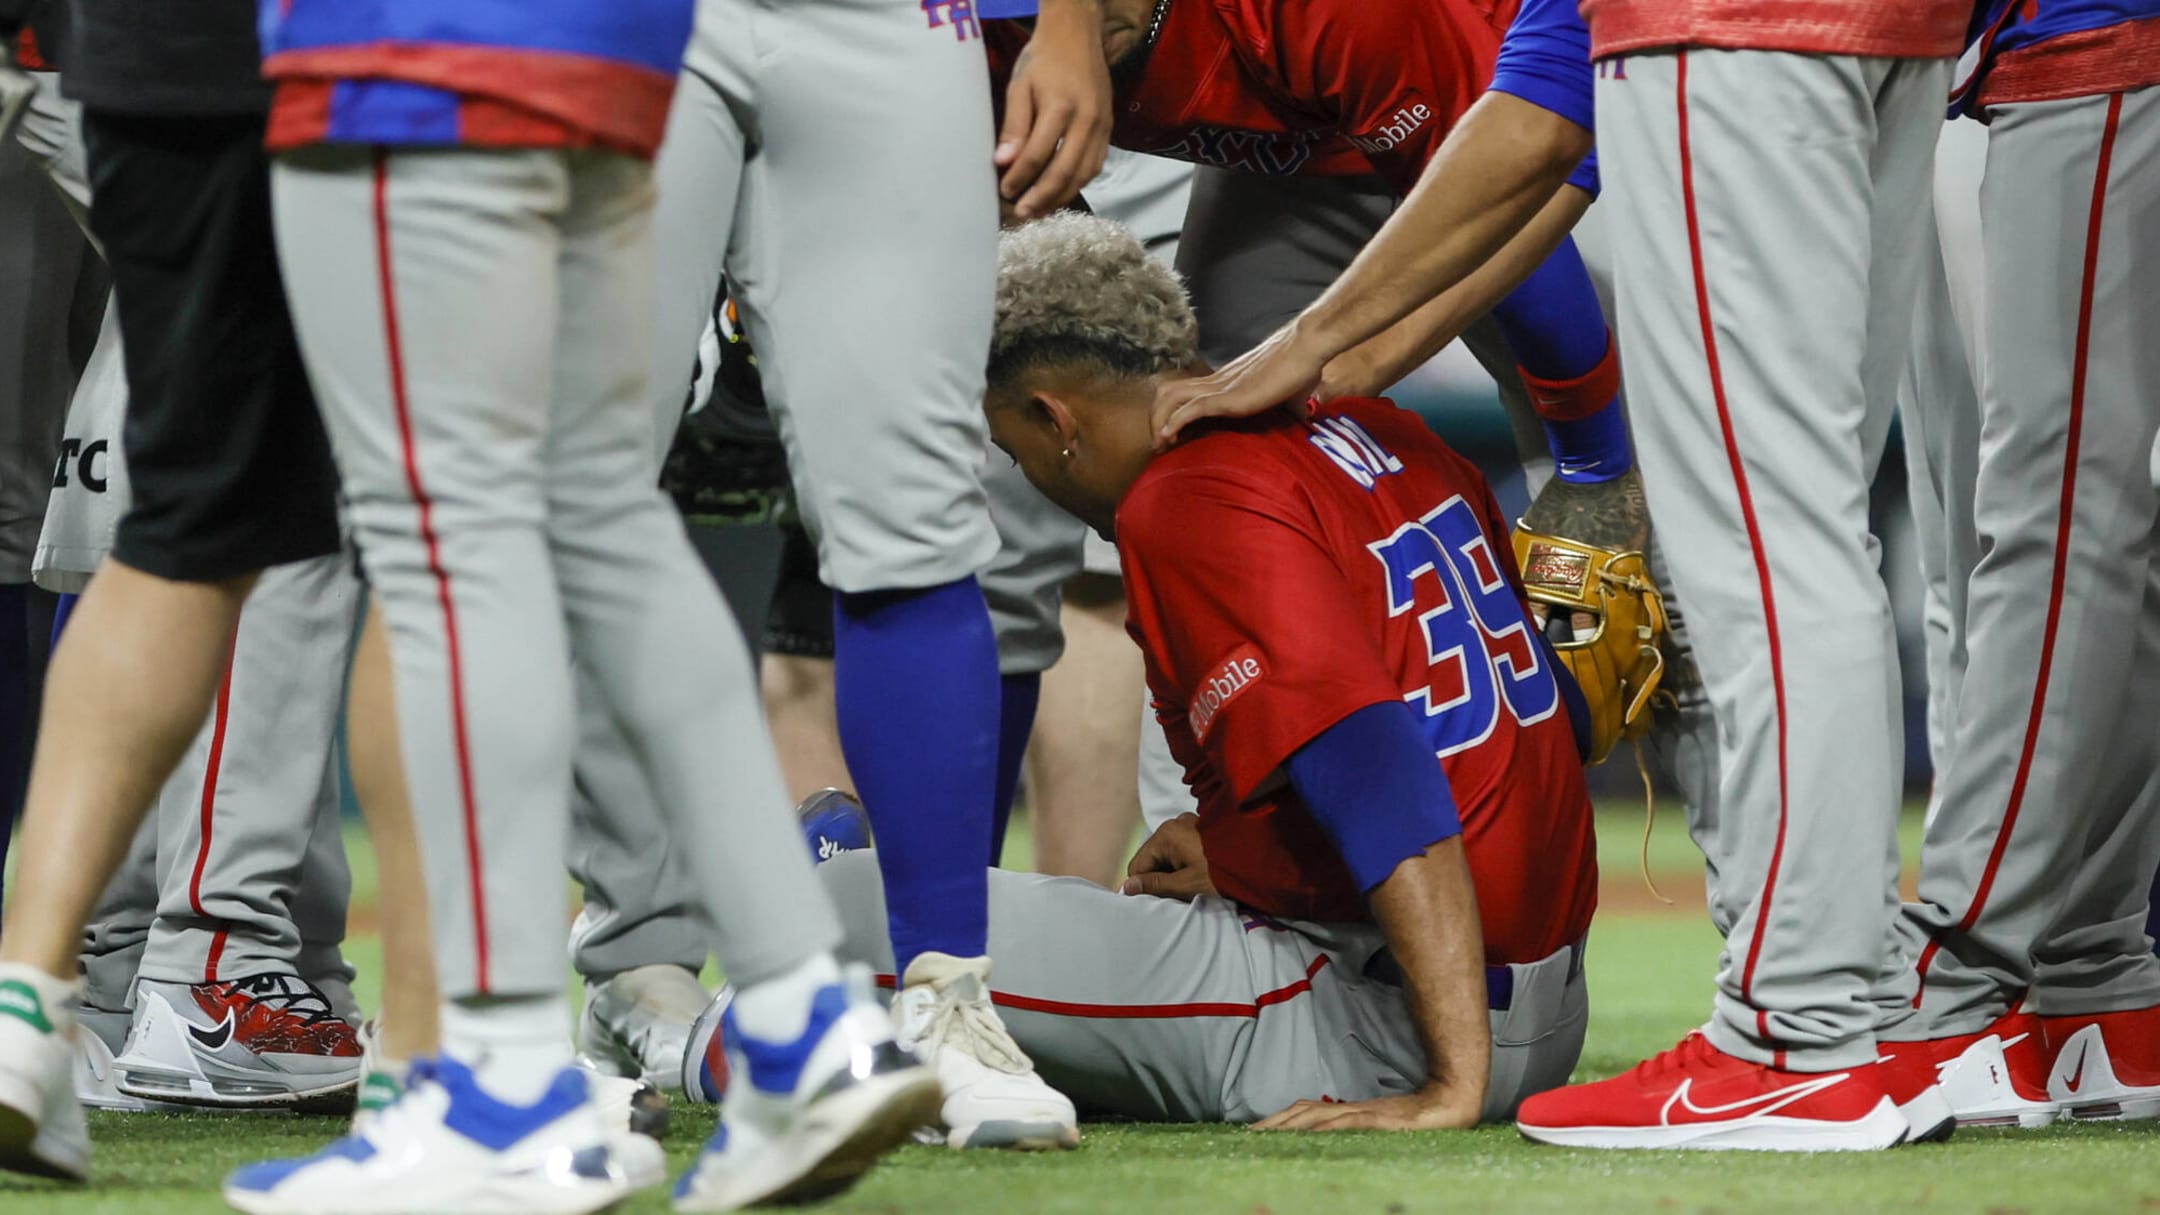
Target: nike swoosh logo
1683,1102
2079,1075
213,1039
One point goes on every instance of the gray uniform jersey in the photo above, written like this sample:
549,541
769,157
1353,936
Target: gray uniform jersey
1759,435
2050,753
1162,1010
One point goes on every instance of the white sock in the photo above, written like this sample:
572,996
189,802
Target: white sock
515,1046
54,998
778,1009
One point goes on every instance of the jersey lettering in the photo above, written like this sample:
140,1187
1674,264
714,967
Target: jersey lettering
1477,637
84,458
960,14
1251,151
1354,450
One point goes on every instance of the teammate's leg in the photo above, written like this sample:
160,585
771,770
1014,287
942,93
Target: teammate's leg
883,446
134,675
1084,762
1758,433
235,827
2066,511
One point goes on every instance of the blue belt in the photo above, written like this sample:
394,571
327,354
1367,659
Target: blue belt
1499,980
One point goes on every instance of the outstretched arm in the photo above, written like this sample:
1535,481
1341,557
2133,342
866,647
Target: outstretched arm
1369,368
1494,175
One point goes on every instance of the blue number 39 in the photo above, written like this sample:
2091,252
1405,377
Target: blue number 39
1477,636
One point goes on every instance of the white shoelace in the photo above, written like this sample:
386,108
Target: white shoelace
973,1027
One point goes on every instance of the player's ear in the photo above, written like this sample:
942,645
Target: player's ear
1050,410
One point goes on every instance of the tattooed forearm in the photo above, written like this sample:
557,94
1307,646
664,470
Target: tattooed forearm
1610,514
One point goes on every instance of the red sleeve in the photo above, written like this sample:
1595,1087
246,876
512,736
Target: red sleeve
1247,615
1396,83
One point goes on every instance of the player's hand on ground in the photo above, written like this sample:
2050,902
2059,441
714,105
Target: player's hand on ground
1285,370
1170,864
1057,111
1433,1108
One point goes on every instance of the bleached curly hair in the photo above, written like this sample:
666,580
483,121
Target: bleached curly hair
1076,288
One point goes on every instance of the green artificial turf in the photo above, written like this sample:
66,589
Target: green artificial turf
1651,976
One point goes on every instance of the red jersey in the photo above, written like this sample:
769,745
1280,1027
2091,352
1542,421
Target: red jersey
1282,575
1342,88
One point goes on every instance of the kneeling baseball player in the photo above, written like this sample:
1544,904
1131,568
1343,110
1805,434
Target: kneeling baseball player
1347,934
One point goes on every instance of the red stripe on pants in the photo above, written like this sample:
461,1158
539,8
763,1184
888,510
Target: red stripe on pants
2073,430
1755,545
1147,1012
401,400
219,719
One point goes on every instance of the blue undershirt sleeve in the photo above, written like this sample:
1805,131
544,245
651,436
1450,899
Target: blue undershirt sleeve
1375,786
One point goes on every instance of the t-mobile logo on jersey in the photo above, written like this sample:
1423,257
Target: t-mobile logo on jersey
1396,130
1237,673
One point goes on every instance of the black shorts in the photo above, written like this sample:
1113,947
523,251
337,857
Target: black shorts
800,622
226,455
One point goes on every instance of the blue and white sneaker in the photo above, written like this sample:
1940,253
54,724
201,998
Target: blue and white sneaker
446,1147
804,1120
833,822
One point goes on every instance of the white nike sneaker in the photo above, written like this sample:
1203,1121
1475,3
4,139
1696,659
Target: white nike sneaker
267,1042
804,1120
42,1131
446,1147
637,1023
993,1098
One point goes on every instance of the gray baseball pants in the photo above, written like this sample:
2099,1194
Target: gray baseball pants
476,326
1766,216
2042,848
1162,1010
836,214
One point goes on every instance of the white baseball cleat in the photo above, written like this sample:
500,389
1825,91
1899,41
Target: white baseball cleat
447,1147
637,1023
42,1131
804,1120
99,1036
2107,1065
993,1098
266,1042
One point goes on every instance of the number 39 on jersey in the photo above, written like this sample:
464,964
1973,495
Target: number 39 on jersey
1483,656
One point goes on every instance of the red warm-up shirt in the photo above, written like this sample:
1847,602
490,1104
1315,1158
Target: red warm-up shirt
1343,88
1282,575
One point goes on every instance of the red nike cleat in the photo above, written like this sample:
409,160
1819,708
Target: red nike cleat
1697,1096
1996,1077
266,1042
2107,1065
1906,1071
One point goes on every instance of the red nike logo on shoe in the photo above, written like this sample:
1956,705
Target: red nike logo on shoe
1681,1108
2079,1075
